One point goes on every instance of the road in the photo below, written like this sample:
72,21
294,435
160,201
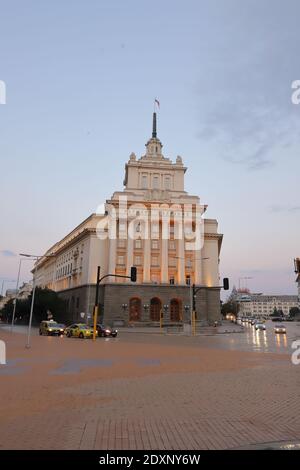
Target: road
150,391
250,340
257,341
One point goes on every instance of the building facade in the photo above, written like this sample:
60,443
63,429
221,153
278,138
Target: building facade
260,305
153,224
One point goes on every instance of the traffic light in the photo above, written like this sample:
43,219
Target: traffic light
226,283
133,274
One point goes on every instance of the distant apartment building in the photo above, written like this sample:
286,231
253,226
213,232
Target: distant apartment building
22,293
258,304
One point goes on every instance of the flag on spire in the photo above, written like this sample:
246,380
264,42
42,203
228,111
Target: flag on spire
156,102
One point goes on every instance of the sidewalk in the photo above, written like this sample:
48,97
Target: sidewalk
143,393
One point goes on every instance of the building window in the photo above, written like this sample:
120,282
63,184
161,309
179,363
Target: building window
155,230
155,245
144,182
172,280
77,302
154,261
172,245
137,260
138,244
121,259
155,182
172,261
121,243
188,280
188,263
167,182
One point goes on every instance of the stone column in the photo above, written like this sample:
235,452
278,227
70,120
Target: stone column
112,258
147,260
198,266
164,262
129,260
181,260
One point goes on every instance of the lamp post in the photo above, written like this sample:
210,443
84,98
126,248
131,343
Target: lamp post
245,277
146,308
36,258
166,308
16,298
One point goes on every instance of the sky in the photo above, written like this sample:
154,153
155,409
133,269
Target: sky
81,77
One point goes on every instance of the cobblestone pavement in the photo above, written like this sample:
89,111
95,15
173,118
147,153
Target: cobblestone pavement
158,393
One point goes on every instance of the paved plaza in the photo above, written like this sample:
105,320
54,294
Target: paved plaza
145,391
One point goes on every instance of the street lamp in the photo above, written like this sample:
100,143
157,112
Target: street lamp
33,290
245,277
17,286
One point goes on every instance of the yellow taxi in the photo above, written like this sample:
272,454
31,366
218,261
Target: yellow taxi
79,330
51,328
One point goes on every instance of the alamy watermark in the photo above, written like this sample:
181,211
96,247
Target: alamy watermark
153,221
2,353
2,92
296,354
295,98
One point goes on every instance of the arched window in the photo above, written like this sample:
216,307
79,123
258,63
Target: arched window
155,309
176,310
135,308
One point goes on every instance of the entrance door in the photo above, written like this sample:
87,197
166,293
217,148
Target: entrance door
175,310
155,308
135,308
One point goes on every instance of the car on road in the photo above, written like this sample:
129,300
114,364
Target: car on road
253,321
260,326
106,331
280,329
51,328
79,330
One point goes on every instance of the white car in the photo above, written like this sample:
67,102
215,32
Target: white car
280,329
260,326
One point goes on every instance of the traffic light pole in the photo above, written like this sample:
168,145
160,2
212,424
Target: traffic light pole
132,277
225,286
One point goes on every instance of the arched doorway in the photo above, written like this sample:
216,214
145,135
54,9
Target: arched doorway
175,310
155,308
135,308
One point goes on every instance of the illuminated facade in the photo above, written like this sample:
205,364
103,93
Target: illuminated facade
153,224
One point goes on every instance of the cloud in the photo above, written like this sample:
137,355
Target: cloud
7,253
286,208
246,109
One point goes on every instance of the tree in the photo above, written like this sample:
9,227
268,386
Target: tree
275,313
294,312
230,307
45,299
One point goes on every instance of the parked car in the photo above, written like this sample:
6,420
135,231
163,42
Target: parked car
51,328
79,330
280,329
106,331
260,326
253,321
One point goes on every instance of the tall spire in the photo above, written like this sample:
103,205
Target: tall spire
154,134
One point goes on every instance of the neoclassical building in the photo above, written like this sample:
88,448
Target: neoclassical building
153,224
